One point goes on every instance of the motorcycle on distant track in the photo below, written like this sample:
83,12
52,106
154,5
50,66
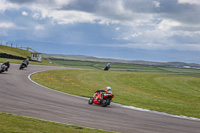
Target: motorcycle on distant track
107,67
101,98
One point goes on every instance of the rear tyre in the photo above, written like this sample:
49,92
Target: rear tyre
90,101
1,70
109,101
104,102
20,68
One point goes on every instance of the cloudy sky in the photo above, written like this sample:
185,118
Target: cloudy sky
151,30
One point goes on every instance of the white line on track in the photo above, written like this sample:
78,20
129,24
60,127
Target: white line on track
116,104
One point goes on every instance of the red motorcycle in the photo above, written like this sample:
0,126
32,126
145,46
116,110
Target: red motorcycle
101,98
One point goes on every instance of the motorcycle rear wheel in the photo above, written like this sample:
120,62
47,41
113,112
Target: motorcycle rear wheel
1,70
105,102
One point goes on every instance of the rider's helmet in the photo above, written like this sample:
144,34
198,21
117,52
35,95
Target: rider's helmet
108,88
8,61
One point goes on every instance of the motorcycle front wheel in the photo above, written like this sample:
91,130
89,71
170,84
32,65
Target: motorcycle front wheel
90,101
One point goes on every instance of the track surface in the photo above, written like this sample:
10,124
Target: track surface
18,95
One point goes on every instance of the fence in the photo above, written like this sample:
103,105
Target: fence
4,55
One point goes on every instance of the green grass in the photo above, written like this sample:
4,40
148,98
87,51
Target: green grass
14,51
17,124
80,64
129,67
173,94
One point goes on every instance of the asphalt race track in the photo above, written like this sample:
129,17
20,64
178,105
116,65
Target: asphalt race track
19,95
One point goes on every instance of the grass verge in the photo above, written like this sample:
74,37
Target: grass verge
17,124
173,94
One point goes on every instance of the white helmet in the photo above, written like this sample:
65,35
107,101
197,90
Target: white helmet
108,88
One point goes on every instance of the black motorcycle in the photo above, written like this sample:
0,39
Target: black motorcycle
22,66
3,68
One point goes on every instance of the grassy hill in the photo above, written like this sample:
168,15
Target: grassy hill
54,57
20,53
14,51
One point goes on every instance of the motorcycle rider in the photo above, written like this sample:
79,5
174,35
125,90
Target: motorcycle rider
7,64
26,62
108,90
107,67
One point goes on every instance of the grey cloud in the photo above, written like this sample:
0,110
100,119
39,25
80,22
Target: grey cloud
80,5
187,28
133,9
184,13
29,2
102,8
140,6
169,9
22,1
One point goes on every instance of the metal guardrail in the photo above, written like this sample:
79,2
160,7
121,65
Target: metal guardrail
4,55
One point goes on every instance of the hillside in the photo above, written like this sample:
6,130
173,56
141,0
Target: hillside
138,62
20,53
25,54
14,51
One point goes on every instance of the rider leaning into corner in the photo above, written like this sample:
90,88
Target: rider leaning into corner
102,97
6,64
108,91
26,62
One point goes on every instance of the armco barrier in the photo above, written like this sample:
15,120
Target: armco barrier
4,55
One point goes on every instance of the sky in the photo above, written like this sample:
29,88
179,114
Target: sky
149,30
